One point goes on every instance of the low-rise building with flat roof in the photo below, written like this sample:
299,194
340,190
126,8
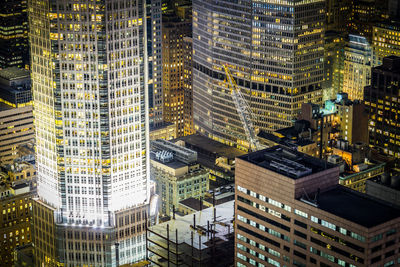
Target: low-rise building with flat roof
15,87
165,131
216,157
177,173
385,187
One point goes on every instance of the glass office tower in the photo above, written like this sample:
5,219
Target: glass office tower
89,81
274,49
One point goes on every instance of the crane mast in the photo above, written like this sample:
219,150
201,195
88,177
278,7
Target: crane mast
243,111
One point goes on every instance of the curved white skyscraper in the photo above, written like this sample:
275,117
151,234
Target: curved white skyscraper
89,80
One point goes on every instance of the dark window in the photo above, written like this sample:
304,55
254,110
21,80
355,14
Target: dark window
300,234
391,232
376,248
390,243
296,222
299,254
388,254
299,244
376,259
299,264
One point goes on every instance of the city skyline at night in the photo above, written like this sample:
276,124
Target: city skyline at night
199,133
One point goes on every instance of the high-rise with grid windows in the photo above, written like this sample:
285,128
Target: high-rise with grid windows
274,49
89,80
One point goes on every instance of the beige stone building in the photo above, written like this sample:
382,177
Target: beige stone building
177,173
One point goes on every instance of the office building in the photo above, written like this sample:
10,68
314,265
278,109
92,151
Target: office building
319,128
381,102
393,8
204,238
362,173
351,118
385,41
289,210
338,14
177,173
367,13
166,131
274,52
16,117
300,137
357,66
15,87
89,80
322,124
174,29
385,187
20,171
15,219
333,64
188,127
217,158
154,24
16,129
14,50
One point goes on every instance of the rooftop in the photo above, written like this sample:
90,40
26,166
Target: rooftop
174,164
212,146
192,203
14,73
161,126
363,168
4,106
390,63
356,207
178,152
287,162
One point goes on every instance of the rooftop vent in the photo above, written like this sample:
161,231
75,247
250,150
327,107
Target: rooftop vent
164,156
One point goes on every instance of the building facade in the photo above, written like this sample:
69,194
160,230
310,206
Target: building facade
385,41
381,101
333,64
166,131
188,127
351,119
357,180
174,30
15,222
16,129
290,211
89,80
338,14
273,50
177,173
154,28
357,66
14,50
16,117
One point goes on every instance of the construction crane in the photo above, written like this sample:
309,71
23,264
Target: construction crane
243,111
